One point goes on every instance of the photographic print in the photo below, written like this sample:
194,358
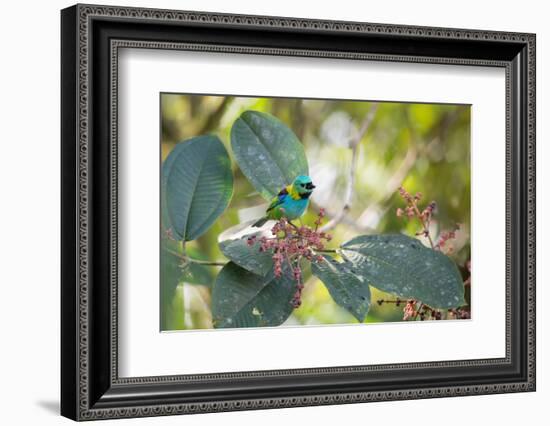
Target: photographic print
310,194
300,212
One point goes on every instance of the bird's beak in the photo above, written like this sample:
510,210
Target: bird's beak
310,186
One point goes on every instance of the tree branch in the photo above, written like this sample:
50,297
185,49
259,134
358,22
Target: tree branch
214,118
393,183
192,260
418,310
354,145
327,251
415,149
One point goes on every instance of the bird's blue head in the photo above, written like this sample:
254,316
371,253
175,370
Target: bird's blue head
303,185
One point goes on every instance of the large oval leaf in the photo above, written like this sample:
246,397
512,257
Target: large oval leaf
243,299
403,266
347,289
268,152
197,184
248,257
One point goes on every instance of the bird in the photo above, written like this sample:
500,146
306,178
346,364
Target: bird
291,202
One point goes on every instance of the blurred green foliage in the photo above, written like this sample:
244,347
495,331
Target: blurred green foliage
424,147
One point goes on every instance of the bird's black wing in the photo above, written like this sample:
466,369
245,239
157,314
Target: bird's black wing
279,199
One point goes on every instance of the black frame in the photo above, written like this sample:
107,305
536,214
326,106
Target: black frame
91,37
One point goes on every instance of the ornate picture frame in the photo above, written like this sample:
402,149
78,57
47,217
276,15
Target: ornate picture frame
92,37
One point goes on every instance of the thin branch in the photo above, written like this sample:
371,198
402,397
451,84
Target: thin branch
354,145
214,118
393,183
298,119
327,251
418,310
415,149
188,259
425,226
396,301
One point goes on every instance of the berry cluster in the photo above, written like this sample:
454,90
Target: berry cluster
424,312
409,311
460,313
291,244
413,309
445,236
412,210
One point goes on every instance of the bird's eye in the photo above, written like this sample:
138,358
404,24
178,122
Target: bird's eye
302,185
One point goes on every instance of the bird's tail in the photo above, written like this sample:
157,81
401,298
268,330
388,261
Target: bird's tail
259,223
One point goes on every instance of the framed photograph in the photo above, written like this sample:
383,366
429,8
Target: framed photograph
263,212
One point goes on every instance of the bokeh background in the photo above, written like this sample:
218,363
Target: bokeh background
423,147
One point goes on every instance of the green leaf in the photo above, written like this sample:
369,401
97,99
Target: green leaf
197,184
347,289
403,266
170,276
268,152
248,257
243,299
